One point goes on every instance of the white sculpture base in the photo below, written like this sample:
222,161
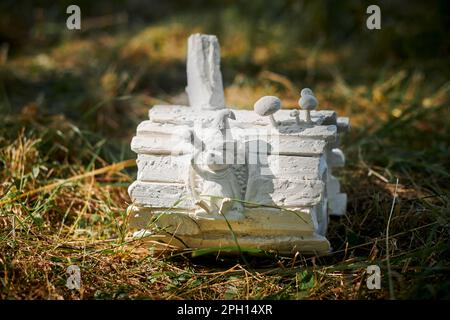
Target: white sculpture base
285,232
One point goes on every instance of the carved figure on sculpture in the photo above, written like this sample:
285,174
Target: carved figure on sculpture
219,188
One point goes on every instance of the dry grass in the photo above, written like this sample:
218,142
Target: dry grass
64,147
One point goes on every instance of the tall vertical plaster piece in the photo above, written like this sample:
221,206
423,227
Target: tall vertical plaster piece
198,175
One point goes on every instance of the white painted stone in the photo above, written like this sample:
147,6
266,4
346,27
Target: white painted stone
160,195
266,190
290,145
333,185
315,244
183,115
169,168
162,168
261,191
326,133
319,132
267,175
302,168
283,145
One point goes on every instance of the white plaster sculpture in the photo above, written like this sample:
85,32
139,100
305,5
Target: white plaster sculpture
267,106
209,176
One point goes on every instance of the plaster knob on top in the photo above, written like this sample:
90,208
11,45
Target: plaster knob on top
295,114
306,92
267,106
204,79
307,102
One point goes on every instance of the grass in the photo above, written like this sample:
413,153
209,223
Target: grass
69,109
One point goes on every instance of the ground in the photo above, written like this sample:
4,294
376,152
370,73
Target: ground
70,102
